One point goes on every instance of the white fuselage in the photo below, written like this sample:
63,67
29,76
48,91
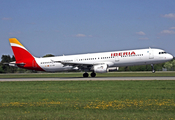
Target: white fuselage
112,59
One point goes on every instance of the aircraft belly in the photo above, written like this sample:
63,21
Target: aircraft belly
54,67
130,62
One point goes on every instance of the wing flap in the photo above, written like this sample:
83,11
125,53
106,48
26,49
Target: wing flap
77,63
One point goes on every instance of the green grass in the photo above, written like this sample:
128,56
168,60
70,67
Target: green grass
80,74
88,100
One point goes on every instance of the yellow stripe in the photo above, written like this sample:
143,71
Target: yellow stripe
14,40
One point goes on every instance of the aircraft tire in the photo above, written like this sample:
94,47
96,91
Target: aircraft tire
93,74
85,75
153,71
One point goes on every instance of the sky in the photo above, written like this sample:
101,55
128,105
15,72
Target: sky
87,26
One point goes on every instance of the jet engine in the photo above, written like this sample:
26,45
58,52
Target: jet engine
113,69
101,68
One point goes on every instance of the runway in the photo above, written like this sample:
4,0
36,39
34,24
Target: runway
88,79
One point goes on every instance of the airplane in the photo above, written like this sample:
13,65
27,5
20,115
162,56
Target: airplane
94,62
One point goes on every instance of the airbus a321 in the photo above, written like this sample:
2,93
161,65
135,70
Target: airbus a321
94,62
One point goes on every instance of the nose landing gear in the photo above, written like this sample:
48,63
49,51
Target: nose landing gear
153,71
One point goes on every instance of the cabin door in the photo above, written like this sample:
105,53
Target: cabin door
34,64
116,58
151,54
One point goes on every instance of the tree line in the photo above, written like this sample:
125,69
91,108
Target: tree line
9,69
169,66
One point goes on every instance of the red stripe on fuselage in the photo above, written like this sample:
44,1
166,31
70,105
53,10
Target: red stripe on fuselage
23,56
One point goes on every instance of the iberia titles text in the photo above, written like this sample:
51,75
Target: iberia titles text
123,53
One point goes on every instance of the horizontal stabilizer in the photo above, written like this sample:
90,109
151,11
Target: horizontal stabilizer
14,64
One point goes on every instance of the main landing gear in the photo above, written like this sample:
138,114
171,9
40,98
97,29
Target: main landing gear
87,75
153,71
93,74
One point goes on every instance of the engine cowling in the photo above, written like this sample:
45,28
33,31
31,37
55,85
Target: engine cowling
113,69
101,68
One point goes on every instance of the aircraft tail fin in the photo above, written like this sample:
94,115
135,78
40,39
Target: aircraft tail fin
20,52
23,57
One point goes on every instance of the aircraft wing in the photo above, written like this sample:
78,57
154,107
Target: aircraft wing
78,64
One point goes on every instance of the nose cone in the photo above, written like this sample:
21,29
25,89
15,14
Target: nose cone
170,57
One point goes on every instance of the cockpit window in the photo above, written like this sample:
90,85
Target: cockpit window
162,52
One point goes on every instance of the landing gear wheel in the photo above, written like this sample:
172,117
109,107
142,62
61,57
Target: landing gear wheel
153,71
85,75
93,74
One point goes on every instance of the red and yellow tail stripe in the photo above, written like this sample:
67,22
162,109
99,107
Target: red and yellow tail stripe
23,56
16,43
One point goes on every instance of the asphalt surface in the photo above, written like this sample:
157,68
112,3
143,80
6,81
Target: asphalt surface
88,79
